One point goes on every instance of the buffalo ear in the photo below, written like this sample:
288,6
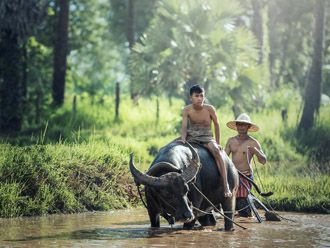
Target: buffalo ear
190,172
162,167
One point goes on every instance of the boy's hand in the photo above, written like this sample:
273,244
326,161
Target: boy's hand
251,150
255,151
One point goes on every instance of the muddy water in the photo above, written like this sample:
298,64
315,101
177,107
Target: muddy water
130,228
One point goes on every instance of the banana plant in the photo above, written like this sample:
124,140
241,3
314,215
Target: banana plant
192,41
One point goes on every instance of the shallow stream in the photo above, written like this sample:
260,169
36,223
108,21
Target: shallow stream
131,228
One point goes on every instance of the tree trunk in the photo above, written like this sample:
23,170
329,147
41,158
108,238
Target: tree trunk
257,27
10,83
131,24
192,81
236,110
313,87
130,35
38,107
284,53
60,53
24,73
272,36
170,102
74,107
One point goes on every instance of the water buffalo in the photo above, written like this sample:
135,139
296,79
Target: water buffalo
169,190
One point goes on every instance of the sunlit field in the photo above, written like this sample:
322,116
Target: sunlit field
79,162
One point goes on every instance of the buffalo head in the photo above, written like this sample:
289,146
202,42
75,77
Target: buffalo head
170,189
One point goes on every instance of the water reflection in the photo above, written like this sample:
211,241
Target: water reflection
131,229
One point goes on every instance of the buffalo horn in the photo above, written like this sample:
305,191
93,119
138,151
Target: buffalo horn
192,169
141,178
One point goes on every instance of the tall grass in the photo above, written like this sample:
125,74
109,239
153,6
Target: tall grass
43,179
296,187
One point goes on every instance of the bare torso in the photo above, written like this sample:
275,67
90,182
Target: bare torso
199,117
239,149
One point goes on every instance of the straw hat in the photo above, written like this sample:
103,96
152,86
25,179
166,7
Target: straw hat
243,118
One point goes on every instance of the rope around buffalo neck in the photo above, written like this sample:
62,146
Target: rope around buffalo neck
138,187
144,203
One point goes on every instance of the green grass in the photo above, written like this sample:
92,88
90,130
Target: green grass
44,179
74,163
305,194
296,187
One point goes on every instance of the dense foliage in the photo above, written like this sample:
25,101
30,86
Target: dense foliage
176,44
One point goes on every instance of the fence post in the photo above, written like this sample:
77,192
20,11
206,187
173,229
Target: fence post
157,110
117,101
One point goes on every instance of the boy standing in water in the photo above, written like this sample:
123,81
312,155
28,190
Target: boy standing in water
200,115
243,147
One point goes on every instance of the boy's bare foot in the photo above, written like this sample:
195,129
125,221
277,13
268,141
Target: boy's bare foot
227,192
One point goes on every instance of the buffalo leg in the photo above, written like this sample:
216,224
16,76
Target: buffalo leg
228,207
170,219
152,207
189,225
243,207
154,218
153,212
207,220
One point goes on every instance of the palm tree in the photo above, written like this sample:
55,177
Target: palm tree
193,42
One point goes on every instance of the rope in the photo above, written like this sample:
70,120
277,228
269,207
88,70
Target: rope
225,212
215,208
163,213
199,210
145,205
232,212
259,178
269,205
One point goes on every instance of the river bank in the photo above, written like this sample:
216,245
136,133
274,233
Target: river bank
94,176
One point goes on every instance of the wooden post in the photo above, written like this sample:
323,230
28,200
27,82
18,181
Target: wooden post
157,110
117,101
74,106
38,107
